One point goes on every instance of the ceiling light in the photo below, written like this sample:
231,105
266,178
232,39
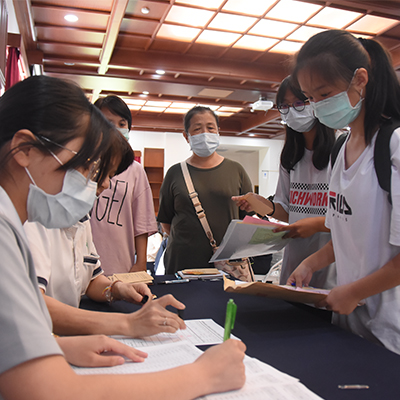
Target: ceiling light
189,16
153,109
372,24
210,4
233,23
160,72
69,63
253,7
145,10
304,33
293,11
286,47
333,18
275,29
158,103
145,92
71,18
218,38
175,32
258,43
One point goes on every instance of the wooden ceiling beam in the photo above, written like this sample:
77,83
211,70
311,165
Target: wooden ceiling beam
198,65
259,119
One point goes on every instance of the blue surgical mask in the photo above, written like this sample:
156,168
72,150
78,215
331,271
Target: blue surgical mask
125,132
204,144
63,209
336,112
300,121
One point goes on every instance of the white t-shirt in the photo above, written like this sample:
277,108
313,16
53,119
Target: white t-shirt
65,259
303,193
366,235
25,332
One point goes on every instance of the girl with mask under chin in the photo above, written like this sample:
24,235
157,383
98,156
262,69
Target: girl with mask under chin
301,197
215,179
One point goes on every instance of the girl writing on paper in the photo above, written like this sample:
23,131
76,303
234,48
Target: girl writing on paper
51,139
302,193
351,82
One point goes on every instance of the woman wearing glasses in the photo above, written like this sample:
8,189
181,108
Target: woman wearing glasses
301,197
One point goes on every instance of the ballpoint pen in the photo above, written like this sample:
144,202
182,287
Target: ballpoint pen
229,318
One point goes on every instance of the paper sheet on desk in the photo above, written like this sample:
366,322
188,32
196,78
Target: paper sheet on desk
289,293
199,332
248,238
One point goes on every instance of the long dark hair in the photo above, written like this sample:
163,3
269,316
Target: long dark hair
293,149
57,110
335,54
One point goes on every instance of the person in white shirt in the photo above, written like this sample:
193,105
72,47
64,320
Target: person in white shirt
51,137
352,83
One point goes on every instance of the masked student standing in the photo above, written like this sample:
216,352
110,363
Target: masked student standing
215,179
352,83
301,197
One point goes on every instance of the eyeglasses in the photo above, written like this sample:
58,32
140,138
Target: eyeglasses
298,105
94,170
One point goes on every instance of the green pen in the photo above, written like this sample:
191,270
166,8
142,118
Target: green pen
229,318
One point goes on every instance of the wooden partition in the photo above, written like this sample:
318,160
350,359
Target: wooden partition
153,164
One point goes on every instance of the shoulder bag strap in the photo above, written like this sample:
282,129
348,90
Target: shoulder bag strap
197,205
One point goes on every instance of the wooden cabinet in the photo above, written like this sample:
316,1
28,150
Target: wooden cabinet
153,163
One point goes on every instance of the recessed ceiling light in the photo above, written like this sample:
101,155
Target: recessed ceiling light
145,10
145,92
71,18
69,63
160,72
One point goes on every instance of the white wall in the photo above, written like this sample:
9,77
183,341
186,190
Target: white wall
259,157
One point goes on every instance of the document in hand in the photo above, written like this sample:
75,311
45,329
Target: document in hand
132,277
307,295
248,238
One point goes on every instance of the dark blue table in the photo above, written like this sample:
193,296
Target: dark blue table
293,339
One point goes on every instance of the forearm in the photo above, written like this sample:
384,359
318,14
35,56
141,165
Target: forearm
166,228
62,383
279,213
69,320
141,253
96,287
322,258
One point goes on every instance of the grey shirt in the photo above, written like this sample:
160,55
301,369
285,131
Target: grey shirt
24,319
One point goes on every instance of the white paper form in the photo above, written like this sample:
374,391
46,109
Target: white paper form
264,382
198,332
159,358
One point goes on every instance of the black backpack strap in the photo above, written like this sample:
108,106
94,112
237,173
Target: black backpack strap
336,148
382,161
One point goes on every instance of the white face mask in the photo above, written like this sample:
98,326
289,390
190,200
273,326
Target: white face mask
204,144
125,132
300,121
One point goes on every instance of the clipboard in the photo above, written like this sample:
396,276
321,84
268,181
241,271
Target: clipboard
299,295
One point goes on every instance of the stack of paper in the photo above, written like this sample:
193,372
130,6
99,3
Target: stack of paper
248,238
132,277
165,351
201,273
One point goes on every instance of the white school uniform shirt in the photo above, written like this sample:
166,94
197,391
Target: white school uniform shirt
303,193
365,232
65,259
25,322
